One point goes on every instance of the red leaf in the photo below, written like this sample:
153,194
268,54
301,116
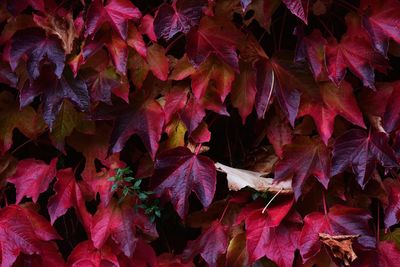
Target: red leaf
244,91
158,62
312,48
386,255
116,221
298,8
23,230
354,52
38,47
212,72
210,245
144,256
336,222
392,209
32,177
178,172
361,151
192,114
328,101
213,37
146,27
279,132
92,147
65,196
267,235
135,40
382,21
274,80
391,117
303,158
116,12
180,17
85,254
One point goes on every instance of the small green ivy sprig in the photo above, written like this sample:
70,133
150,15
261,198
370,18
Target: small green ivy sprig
132,186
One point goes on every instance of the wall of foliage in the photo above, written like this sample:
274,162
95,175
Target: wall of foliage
199,133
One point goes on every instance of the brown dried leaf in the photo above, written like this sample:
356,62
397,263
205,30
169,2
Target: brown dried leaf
341,246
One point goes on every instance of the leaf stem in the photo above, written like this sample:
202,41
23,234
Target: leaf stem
378,224
223,213
270,201
324,203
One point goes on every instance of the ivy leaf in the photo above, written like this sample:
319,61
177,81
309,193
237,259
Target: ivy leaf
215,72
68,120
116,12
328,101
54,91
392,208
116,222
213,37
64,198
312,48
298,8
274,80
37,46
381,19
23,230
85,253
178,172
335,222
32,177
265,231
244,91
210,244
354,52
301,159
362,151
192,114
11,116
144,117
181,16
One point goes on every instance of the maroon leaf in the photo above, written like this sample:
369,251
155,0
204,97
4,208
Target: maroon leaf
303,158
244,91
32,177
354,52
335,222
54,91
210,245
144,118
37,46
213,37
381,19
312,48
115,12
274,80
178,172
362,151
298,8
392,209
180,17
